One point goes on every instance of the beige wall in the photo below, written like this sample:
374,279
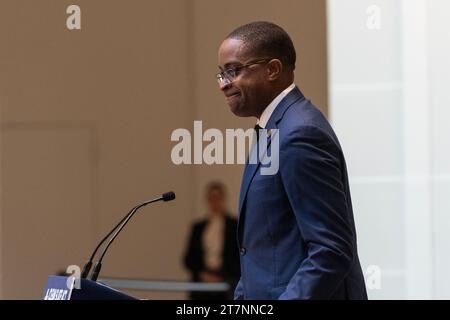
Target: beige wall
86,118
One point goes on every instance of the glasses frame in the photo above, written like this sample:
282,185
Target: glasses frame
231,74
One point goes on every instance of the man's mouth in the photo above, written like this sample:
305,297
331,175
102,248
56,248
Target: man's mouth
232,95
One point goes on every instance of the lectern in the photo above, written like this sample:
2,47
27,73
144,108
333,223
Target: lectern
70,288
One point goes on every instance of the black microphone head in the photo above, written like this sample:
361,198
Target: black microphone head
168,196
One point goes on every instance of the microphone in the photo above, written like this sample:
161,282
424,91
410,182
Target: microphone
168,196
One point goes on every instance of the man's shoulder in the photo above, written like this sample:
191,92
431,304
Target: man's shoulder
199,223
303,114
304,118
230,219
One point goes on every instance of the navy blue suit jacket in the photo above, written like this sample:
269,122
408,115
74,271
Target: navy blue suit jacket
296,232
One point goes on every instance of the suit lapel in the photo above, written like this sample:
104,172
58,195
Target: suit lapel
251,169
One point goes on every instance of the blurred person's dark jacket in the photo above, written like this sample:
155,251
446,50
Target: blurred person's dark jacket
194,259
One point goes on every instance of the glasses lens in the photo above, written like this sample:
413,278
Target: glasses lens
219,78
230,74
226,77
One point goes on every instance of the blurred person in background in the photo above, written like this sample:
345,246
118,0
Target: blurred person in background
212,253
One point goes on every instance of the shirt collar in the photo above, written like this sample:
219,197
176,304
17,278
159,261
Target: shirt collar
265,116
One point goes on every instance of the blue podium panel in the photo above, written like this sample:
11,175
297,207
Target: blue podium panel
58,288
67,288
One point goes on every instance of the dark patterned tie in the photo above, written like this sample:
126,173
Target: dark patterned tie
257,129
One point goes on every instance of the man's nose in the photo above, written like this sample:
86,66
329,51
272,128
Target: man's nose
224,84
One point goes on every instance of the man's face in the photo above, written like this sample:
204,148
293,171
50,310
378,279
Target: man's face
216,201
247,94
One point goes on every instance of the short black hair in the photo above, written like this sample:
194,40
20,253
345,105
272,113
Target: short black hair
267,40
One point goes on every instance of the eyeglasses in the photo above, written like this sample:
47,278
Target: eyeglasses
230,74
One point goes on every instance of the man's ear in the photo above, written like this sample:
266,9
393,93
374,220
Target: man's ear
274,69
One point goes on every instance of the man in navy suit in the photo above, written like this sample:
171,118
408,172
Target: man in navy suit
296,231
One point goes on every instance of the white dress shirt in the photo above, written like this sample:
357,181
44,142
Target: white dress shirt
213,238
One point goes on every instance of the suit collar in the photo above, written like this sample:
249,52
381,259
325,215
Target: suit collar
279,111
268,111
